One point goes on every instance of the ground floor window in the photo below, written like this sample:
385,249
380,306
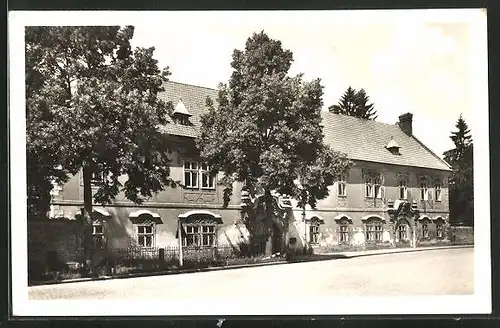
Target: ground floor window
199,235
98,235
439,230
145,235
314,233
374,231
344,233
425,231
403,232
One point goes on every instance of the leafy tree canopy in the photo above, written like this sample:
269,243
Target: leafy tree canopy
92,103
355,103
266,130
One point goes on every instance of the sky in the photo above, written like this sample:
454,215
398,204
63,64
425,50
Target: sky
413,62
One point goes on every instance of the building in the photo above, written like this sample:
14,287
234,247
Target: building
395,194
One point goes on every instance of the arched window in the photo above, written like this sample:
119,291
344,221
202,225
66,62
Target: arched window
344,229
374,229
402,230
425,228
314,230
439,228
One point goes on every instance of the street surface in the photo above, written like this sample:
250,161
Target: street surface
435,272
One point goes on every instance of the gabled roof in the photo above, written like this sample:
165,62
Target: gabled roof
193,99
366,140
359,139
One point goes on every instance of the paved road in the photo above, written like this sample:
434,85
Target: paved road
436,272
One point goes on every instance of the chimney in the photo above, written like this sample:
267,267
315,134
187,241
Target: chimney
405,123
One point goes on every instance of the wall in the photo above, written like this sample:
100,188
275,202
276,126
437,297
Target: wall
61,236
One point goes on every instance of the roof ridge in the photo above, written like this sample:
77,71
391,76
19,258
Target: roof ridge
192,85
361,119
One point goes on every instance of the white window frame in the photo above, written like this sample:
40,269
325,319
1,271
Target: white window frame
98,235
342,187
378,189
403,186
200,235
144,234
424,191
374,231
403,232
314,233
437,192
205,173
369,188
344,232
439,229
425,231
199,171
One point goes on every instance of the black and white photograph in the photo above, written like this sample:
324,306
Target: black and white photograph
249,162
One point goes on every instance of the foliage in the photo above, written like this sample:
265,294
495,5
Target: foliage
92,102
461,182
355,103
266,130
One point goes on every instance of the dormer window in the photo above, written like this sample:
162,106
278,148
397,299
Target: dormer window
393,147
181,114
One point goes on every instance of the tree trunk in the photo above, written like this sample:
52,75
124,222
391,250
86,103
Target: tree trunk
268,222
87,219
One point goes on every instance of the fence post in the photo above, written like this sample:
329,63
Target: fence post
180,242
161,255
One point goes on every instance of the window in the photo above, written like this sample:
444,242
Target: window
207,235
191,174
182,119
145,235
378,189
403,232
199,235
403,190
374,231
369,188
207,179
425,231
424,195
194,171
439,230
344,233
98,235
437,192
341,187
314,233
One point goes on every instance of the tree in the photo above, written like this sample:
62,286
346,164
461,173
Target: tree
92,106
461,183
355,103
266,131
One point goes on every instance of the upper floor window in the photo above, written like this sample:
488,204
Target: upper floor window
437,192
341,186
424,191
378,189
403,190
369,188
146,235
196,174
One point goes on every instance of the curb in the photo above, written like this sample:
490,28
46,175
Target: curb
409,250
327,257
